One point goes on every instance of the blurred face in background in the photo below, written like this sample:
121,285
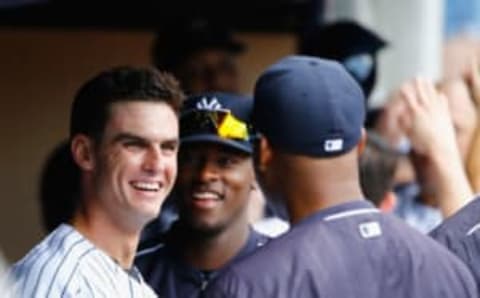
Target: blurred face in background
462,112
210,70
464,120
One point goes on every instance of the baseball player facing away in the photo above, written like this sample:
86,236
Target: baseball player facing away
124,140
310,112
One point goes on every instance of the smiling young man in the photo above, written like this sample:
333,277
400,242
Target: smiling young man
124,140
215,179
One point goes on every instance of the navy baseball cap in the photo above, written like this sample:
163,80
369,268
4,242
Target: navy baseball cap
348,42
340,40
221,118
309,106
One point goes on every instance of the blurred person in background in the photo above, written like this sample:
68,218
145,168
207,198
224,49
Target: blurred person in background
461,37
58,201
201,54
462,112
460,233
425,200
349,43
377,168
473,158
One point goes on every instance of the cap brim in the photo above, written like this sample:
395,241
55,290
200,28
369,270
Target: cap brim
243,146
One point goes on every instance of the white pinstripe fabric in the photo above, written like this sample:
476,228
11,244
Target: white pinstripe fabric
5,283
66,264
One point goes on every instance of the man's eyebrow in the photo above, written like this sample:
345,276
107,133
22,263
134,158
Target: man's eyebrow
175,141
126,136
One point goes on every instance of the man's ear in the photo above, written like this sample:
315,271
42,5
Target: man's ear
362,142
83,152
264,154
389,202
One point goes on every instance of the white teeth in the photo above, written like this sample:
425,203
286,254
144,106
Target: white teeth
149,186
205,195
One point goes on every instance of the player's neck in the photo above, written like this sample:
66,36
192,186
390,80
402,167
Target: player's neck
309,201
210,253
118,243
317,185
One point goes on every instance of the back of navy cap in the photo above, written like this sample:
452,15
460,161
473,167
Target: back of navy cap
309,106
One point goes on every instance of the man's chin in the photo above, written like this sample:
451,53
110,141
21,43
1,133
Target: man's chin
205,229
146,215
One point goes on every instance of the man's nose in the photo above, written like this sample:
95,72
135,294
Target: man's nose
153,161
207,171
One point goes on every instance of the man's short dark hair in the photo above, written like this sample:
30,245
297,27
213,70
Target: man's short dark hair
90,108
59,200
377,168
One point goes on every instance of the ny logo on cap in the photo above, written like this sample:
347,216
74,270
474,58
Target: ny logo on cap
211,105
333,145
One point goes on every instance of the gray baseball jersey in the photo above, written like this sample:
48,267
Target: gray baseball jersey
350,251
460,233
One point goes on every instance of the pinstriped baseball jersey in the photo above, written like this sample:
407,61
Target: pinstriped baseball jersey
5,284
66,264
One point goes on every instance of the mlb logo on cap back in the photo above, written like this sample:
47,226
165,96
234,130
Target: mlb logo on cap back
333,145
309,106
